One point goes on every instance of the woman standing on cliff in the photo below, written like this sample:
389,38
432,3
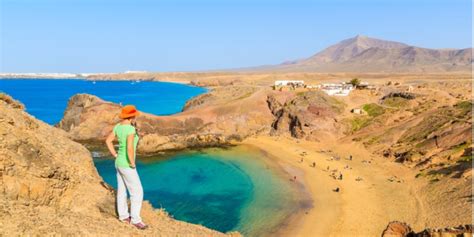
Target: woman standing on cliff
127,176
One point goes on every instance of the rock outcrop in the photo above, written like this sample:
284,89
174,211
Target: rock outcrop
224,116
220,117
400,229
308,115
49,185
430,131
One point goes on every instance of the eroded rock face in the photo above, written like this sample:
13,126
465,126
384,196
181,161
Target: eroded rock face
49,185
306,115
400,229
218,118
11,102
397,229
227,117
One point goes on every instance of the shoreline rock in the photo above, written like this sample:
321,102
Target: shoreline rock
401,229
90,119
221,117
50,186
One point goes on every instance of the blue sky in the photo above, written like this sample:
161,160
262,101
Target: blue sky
186,35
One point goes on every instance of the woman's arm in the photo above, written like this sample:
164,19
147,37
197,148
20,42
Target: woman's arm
131,150
110,145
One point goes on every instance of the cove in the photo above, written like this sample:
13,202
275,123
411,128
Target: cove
46,99
223,189
237,188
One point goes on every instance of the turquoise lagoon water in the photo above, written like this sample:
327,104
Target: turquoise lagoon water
224,189
47,99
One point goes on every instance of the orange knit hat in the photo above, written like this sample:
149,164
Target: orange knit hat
129,111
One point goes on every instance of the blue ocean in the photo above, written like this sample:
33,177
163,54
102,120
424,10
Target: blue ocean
47,99
224,189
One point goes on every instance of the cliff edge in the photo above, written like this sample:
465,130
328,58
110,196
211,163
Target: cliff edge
49,185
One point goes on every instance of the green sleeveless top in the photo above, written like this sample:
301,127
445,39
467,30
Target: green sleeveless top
122,131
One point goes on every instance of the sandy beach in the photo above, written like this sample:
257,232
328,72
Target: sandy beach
366,195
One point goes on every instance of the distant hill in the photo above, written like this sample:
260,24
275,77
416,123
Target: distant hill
365,54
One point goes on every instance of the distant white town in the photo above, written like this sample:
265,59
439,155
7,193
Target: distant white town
333,89
56,75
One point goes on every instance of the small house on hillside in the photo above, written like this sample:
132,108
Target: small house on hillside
357,111
340,89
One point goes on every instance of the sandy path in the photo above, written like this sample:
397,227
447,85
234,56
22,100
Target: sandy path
361,208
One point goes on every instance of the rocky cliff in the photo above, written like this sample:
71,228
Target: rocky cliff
309,115
218,118
229,115
430,131
49,185
400,229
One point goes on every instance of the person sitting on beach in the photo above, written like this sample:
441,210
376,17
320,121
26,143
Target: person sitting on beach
125,165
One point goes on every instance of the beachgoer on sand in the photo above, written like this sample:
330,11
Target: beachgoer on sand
127,176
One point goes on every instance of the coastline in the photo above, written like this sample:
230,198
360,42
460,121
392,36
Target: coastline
372,200
90,79
299,195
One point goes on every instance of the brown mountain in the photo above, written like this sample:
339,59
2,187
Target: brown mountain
365,54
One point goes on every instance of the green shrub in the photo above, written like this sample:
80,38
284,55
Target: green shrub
359,122
373,109
355,82
396,102
464,105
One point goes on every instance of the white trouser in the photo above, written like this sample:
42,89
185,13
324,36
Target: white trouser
127,178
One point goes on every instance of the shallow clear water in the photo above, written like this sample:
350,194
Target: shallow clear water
47,99
224,189
231,189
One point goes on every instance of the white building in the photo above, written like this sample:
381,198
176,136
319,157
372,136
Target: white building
39,75
289,83
341,89
313,86
128,72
